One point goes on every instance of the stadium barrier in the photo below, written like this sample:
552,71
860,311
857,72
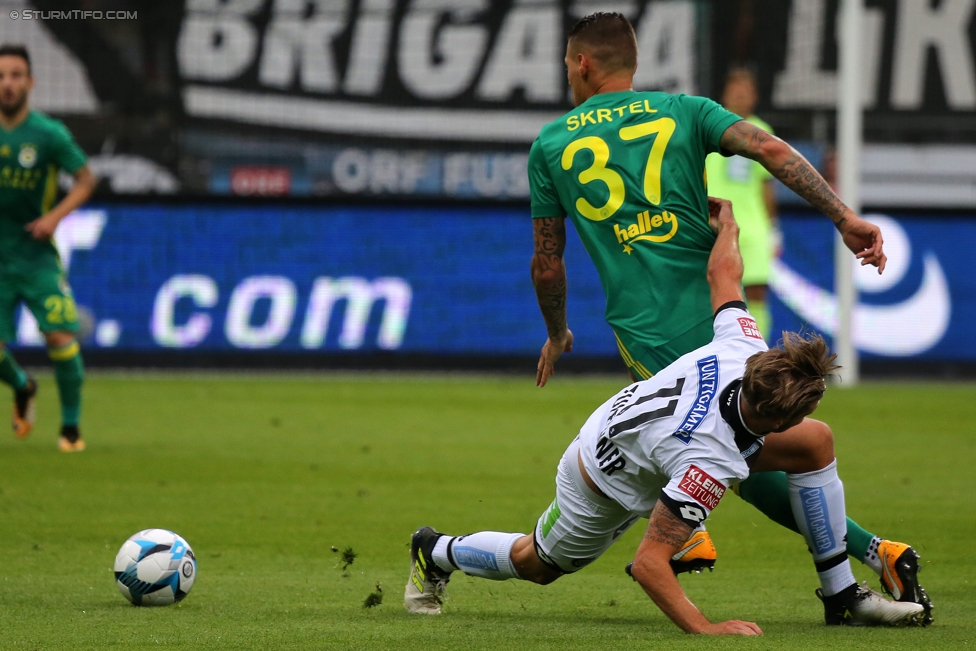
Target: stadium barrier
442,285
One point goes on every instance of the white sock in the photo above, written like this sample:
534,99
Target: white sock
441,559
871,558
818,506
487,554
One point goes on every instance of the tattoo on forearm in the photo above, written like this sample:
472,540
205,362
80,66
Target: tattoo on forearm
549,272
794,171
665,527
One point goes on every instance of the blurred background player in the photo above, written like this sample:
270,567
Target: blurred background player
751,189
33,148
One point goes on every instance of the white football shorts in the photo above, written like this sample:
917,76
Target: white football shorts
579,525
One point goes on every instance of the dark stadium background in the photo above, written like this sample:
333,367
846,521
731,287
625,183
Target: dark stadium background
341,184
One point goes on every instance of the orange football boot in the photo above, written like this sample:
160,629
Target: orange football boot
899,575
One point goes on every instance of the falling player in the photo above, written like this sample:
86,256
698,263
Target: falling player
33,148
668,448
629,169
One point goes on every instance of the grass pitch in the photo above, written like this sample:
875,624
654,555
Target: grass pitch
265,474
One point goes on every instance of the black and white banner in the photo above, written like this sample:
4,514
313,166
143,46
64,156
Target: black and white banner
468,70
443,97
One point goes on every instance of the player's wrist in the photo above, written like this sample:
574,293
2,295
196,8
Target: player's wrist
558,336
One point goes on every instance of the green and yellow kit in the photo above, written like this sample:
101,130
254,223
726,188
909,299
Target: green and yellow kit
629,169
31,155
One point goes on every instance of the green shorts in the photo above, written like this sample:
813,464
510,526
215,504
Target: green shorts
644,359
45,291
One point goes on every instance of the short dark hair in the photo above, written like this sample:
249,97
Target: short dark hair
610,38
16,51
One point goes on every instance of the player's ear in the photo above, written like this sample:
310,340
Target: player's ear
584,65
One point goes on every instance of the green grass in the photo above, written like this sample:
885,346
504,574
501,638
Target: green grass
264,474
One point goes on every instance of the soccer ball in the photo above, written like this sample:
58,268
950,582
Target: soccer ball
155,567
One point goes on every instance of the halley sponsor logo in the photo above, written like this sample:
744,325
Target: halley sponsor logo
903,329
707,387
818,519
701,486
473,557
749,327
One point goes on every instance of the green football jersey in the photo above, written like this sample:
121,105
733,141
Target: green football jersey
30,156
629,169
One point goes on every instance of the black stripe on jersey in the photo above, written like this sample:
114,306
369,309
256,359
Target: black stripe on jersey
664,392
737,305
728,406
646,417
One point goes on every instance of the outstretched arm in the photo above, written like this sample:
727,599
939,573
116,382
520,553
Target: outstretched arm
665,535
549,278
725,262
790,167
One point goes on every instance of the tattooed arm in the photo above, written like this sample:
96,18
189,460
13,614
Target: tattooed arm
666,534
796,173
549,278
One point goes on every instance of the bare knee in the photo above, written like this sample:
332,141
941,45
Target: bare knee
823,444
58,339
528,564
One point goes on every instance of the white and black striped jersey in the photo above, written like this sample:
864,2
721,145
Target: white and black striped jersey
678,436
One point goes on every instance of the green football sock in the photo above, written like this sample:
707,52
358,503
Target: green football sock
70,374
10,371
769,492
764,321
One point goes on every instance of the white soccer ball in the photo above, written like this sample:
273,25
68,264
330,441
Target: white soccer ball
155,567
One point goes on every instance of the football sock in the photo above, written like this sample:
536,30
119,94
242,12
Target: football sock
871,557
440,554
69,372
769,492
487,554
818,502
10,371
764,320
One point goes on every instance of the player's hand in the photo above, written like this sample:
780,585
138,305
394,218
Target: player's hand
732,627
550,353
720,213
864,239
42,228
